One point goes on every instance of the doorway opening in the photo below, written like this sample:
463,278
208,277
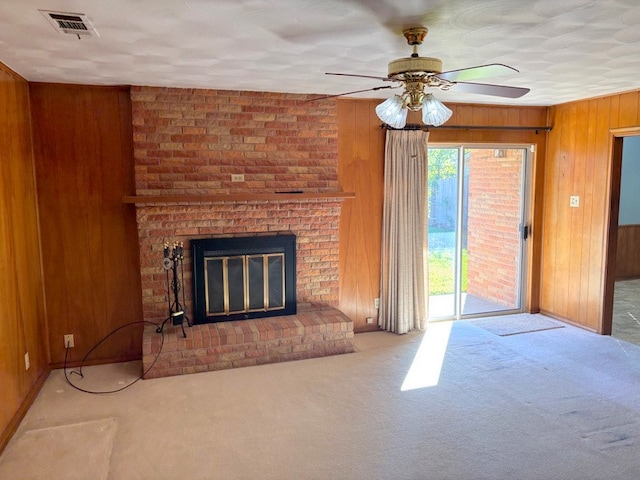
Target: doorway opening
625,321
478,226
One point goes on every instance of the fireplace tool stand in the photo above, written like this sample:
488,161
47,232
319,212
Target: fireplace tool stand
173,259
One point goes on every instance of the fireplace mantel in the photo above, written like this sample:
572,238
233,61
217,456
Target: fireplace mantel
222,198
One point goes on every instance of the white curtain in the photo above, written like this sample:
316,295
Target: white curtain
403,296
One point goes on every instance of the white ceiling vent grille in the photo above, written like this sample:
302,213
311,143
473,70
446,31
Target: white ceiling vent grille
71,23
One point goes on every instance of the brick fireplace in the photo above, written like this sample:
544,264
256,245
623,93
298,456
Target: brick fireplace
281,154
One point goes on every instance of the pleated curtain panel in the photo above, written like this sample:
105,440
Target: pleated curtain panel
403,296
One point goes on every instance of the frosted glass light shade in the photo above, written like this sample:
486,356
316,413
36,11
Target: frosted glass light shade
392,113
434,112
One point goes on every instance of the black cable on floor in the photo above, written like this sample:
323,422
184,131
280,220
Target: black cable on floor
66,353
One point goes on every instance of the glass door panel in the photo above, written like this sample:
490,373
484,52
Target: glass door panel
475,231
442,231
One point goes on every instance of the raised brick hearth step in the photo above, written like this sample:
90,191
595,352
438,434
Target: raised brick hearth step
316,331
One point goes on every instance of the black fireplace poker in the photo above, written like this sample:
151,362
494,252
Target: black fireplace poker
173,258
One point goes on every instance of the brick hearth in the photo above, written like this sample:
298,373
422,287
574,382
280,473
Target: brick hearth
313,332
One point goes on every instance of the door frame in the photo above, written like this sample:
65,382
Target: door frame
614,173
528,217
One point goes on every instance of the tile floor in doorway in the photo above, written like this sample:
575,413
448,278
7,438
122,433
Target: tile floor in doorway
626,311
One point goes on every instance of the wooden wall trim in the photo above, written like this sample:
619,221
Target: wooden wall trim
614,170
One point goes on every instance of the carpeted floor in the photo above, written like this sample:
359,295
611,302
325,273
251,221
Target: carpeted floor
552,404
77,451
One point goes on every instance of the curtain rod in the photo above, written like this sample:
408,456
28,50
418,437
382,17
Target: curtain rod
463,127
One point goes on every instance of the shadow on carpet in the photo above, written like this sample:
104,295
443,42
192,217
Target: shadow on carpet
516,324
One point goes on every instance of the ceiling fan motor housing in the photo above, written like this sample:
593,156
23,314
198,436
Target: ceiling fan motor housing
414,65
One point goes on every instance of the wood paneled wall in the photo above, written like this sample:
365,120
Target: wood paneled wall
84,166
361,169
579,162
628,252
22,322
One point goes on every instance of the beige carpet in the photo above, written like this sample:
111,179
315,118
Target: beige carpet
77,451
559,404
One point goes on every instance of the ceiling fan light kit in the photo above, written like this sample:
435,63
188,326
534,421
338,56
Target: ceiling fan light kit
393,112
416,73
434,112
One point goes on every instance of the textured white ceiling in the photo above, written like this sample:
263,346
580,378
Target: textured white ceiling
565,49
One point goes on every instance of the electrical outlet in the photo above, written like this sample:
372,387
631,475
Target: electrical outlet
574,201
369,320
376,302
27,363
68,341
237,177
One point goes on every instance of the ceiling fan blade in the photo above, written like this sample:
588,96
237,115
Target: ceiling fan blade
477,73
488,89
385,79
349,93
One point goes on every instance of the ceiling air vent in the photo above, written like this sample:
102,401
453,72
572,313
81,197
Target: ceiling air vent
71,23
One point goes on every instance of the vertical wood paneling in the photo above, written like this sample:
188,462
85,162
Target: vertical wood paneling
22,323
84,167
577,133
628,252
598,210
549,216
628,116
614,113
580,221
579,254
563,215
361,167
588,141
360,153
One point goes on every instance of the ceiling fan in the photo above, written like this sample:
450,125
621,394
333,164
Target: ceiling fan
416,73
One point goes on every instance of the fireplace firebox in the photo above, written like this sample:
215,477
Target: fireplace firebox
236,278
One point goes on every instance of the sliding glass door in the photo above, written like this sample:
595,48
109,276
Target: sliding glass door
476,229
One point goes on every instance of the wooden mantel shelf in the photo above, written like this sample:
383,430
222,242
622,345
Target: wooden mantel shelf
244,197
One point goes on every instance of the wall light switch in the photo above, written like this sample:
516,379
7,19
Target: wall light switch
376,302
574,201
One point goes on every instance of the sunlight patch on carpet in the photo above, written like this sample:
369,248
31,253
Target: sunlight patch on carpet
427,364
66,452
